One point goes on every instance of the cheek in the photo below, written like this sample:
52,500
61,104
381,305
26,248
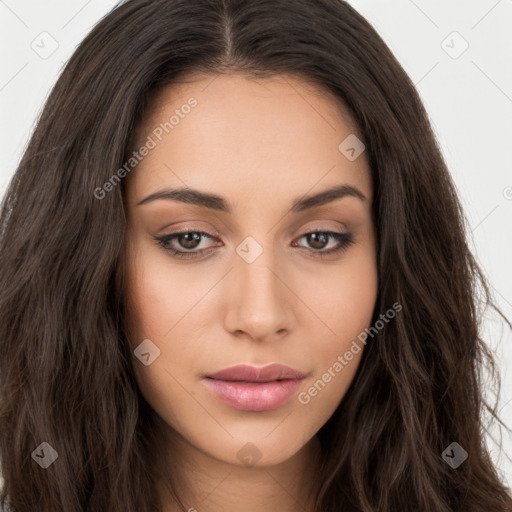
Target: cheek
345,303
162,305
344,298
158,301
159,296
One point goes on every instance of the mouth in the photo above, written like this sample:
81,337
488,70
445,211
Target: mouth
249,388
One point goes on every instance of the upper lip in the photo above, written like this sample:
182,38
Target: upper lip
269,373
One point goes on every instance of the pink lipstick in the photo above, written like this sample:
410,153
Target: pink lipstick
251,388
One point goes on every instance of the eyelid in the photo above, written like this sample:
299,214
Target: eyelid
187,228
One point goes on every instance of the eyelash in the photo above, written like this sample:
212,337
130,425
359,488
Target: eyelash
345,240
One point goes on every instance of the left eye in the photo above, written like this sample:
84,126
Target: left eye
190,240
316,238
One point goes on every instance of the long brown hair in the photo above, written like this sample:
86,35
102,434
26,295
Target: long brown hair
66,374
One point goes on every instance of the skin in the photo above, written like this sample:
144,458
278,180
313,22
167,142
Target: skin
260,144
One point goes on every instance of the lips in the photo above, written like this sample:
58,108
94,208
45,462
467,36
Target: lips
267,373
251,388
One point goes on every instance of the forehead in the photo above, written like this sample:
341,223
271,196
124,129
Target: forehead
238,94
281,132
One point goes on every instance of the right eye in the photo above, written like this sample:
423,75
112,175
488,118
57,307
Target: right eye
187,240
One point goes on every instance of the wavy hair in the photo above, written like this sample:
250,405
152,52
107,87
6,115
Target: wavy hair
66,375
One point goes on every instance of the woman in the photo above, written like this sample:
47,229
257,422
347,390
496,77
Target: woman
235,277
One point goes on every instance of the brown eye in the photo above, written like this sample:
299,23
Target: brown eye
189,240
318,240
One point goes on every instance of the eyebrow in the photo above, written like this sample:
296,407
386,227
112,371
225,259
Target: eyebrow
215,202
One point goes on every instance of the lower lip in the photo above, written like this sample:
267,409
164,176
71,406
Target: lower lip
253,396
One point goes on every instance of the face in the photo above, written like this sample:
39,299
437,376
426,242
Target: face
265,276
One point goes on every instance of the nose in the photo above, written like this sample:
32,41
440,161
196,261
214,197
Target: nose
260,302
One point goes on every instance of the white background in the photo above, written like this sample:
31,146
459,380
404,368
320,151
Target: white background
469,99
